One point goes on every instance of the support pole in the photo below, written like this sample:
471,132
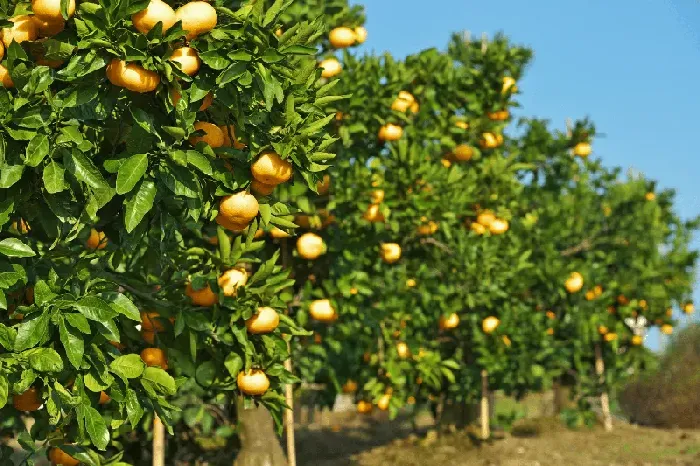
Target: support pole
485,426
604,398
158,442
289,414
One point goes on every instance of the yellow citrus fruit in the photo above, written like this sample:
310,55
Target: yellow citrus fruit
485,218
509,85
271,169
5,78
610,337
188,60
104,398
637,340
132,76
310,246
154,357
156,11
48,27
377,196
97,240
206,103
390,252
582,149
360,34
602,329
477,228
204,297
23,29
449,322
402,350
650,196
489,324
498,226
150,321
322,310
574,283
265,321
463,152
51,9
213,136
27,401
342,37
550,331
390,132
197,18
324,186
372,214
239,208
230,280
462,124
383,403
350,386
689,308
331,67
364,407
262,189
2,50
426,229
60,457
491,140
667,329
254,382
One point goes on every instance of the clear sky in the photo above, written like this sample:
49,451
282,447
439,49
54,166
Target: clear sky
633,66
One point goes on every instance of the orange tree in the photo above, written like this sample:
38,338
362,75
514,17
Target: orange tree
131,134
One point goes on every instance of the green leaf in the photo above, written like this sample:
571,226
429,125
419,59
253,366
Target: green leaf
161,379
32,331
133,408
84,170
130,172
37,150
95,308
129,366
13,247
42,293
72,343
234,364
54,178
123,305
138,204
79,322
96,427
44,360
10,174
4,391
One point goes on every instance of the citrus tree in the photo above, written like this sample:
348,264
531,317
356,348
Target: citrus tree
132,132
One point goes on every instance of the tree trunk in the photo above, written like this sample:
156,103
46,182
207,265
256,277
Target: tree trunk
485,410
259,443
158,442
604,398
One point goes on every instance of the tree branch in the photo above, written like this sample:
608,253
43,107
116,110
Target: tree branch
436,243
584,245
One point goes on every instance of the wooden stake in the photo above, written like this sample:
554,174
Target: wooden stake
158,442
569,128
484,42
485,427
466,36
289,389
604,398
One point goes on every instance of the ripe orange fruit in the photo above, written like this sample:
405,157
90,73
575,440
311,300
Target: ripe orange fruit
508,85
230,280
254,382
310,246
342,37
322,310
550,331
104,398
582,149
156,11
23,29
383,403
360,34
449,322
410,282
650,196
602,329
489,324
377,196
622,300
230,139
463,152
501,115
5,78
462,124
51,9
2,50
506,341
485,218
262,189
597,290
550,315
206,103
426,229
574,283
271,169
97,240
213,136
364,407
48,27
390,132
324,186
188,59
477,228
60,457
372,214
239,208
27,401
637,340
265,321
689,308
610,337
331,67
149,336
350,386
150,321
132,76
118,345
197,18
154,357
404,101
498,226
490,140
402,350
390,252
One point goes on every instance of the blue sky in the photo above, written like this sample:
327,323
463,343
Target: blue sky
633,66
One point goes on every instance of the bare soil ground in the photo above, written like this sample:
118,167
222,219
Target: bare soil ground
547,442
